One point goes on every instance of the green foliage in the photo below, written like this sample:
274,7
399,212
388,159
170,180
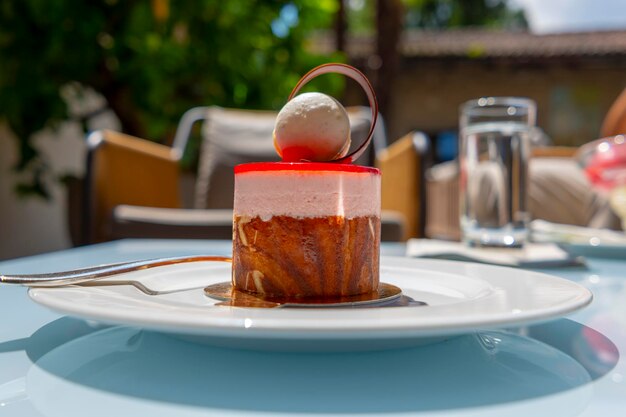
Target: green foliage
439,14
151,60
361,17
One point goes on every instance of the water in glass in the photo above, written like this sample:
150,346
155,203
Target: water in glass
494,161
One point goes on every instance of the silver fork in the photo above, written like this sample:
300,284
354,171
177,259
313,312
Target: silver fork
91,275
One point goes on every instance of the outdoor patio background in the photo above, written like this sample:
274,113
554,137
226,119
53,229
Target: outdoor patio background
574,70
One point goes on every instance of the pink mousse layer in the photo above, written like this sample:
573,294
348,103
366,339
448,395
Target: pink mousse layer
307,193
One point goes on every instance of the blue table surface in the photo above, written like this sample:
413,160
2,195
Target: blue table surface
51,365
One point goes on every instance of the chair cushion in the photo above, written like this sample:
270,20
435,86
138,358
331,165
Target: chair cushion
558,192
230,137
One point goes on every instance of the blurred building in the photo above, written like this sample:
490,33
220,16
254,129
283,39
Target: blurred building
574,77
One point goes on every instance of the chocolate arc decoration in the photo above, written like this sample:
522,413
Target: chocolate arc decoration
362,80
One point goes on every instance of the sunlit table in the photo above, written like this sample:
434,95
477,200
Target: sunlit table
52,365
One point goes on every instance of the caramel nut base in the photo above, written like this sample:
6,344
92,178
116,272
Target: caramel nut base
321,257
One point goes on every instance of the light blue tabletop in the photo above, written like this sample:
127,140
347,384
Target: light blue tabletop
52,365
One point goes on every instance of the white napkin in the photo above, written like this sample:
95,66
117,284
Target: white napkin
532,255
543,231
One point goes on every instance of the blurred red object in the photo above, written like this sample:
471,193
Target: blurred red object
604,161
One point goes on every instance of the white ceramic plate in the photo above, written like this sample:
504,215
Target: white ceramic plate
461,297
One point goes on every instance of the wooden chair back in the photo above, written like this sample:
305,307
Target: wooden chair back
403,165
123,169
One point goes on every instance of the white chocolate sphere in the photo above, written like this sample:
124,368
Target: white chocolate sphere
313,127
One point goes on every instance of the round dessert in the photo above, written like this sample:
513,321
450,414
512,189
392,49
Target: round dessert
312,127
306,229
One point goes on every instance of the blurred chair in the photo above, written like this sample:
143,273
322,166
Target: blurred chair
403,165
233,137
122,169
428,196
230,137
132,187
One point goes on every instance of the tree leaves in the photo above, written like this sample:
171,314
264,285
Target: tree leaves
151,60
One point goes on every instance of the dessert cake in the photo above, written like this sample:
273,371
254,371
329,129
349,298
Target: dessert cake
306,229
309,230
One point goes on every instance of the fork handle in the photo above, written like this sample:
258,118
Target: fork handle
78,276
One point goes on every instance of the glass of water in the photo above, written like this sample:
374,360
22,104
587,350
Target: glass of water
495,135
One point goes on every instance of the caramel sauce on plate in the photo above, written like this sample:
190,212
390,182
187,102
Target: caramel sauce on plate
387,295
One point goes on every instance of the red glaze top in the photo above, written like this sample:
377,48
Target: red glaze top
303,166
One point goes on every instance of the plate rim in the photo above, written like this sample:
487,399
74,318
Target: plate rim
403,327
